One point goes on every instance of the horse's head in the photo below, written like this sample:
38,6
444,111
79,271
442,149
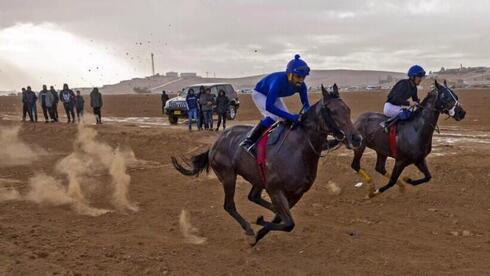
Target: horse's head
335,119
447,102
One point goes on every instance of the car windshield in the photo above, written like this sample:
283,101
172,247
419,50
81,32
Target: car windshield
184,91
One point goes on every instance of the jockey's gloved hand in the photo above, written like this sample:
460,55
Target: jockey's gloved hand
305,108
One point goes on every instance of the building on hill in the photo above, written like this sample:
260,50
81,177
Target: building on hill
172,74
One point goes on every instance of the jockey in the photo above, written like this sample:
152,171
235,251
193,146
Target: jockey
268,94
398,105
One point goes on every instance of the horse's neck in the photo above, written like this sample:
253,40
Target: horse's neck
428,118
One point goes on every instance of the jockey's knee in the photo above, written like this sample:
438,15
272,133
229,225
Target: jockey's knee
267,122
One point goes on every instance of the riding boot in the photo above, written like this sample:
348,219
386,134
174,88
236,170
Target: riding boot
252,137
388,123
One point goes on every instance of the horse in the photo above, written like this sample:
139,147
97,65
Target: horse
413,138
291,165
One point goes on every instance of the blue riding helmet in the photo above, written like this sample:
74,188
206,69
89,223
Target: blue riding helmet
298,66
416,71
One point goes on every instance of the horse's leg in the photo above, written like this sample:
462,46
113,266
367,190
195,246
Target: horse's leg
422,166
381,168
255,197
397,170
281,205
356,165
229,182
277,219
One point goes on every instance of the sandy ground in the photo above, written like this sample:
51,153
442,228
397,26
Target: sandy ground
442,227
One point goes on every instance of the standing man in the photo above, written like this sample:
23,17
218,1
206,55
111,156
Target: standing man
43,94
31,104
79,105
191,100
96,103
164,98
67,98
55,103
222,106
24,104
207,100
200,114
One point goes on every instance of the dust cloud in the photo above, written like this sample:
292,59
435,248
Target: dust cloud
14,151
189,232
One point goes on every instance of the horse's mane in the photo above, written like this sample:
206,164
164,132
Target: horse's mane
430,96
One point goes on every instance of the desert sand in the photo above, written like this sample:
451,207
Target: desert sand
176,225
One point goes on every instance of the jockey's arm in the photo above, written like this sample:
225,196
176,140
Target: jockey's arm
303,94
269,106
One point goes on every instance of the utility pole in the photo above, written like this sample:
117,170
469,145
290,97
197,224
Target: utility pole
152,65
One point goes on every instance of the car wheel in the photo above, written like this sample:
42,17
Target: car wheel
232,112
173,119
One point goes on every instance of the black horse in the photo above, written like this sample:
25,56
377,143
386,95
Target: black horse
291,165
413,138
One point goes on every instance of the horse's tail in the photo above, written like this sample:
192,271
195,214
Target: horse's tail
199,163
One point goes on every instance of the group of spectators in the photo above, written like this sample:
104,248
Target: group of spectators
200,108
49,100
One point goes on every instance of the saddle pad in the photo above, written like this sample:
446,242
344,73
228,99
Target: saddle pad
393,140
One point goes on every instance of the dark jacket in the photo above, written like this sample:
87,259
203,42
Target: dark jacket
164,98
96,99
55,96
31,98
42,96
67,96
191,101
206,101
401,92
79,102
222,104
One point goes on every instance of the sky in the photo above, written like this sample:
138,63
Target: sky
95,42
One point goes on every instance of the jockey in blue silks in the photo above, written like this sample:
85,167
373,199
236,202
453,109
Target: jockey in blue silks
268,94
403,97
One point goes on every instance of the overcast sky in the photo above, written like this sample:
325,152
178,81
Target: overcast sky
93,42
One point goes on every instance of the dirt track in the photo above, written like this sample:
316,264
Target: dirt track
419,232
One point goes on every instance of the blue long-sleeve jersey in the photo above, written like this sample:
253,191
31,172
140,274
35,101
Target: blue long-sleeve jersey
276,85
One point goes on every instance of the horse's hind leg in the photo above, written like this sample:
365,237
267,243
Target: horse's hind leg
229,183
356,165
255,197
397,170
281,205
381,168
422,166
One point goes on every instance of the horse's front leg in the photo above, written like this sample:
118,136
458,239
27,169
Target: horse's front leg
283,221
397,170
422,166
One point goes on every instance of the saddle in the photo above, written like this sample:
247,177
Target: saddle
270,137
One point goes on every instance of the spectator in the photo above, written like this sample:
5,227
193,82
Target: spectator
222,105
43,99
24,104
191,101
49,104
79,105
164,101
207,100
67,97
199,111
96,103
31,104
55,103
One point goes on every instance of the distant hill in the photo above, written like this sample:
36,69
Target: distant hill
344,78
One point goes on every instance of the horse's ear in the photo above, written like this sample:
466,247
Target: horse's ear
436,84
445,83
324,92
335,91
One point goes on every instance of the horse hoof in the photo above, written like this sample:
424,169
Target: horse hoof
260,221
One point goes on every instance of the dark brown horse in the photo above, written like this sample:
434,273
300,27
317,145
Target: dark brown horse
291,165
413,138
